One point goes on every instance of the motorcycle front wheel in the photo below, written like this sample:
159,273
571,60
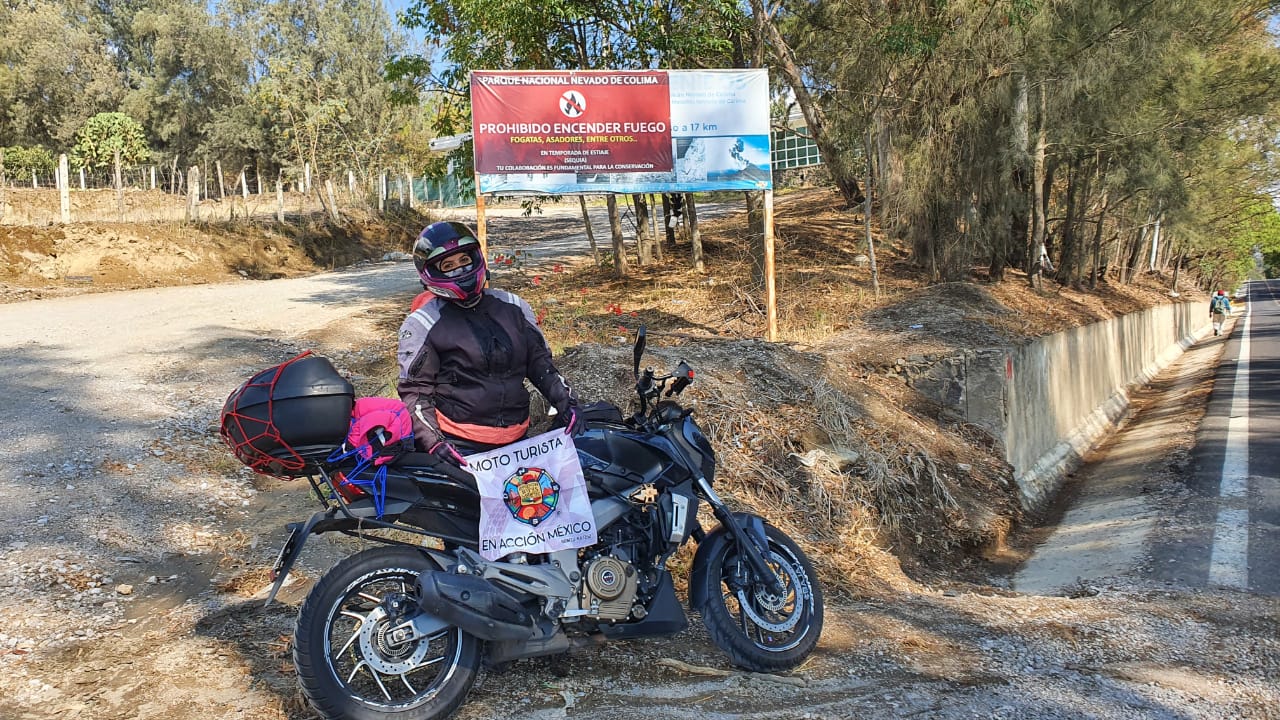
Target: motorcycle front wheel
761,630
351,652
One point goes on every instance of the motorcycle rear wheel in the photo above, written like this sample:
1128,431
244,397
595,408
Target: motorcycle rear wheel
350,665
760,630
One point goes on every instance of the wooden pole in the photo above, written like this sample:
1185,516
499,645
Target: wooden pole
153,177
382,193
306,178
82,182
482,231
4,183
64,188
770,288
279,200
222,188
35,183
257,174
408,179
351,185
333,204
119,186
193,193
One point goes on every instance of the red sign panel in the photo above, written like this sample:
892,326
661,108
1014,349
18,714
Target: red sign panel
571,121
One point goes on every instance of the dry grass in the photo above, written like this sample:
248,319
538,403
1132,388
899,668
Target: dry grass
810,432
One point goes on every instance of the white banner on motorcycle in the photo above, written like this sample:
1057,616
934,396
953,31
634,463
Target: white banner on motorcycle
533,497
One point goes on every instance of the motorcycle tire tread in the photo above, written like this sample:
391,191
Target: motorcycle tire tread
314,678
728,636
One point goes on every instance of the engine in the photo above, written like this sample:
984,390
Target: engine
609,588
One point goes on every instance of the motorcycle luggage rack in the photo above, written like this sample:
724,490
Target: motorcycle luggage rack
337,503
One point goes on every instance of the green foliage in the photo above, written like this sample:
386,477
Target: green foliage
22,161
105,134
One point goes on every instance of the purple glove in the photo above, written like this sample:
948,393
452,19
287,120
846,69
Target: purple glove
448,453
573,423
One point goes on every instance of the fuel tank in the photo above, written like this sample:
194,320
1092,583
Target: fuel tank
616,458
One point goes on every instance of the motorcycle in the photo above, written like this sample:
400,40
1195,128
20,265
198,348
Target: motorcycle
401,630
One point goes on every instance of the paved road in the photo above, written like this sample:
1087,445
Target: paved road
1137,511
1231,537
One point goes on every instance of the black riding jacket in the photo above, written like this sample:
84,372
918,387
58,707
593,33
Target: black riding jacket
471,363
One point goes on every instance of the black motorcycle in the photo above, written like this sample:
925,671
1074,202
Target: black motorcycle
400,630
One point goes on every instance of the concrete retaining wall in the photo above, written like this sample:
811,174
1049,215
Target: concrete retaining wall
1049,401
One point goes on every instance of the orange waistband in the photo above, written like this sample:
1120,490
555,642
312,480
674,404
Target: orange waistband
482,433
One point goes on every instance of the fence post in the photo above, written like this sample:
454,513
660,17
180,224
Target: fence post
257,173
351,185
222,188
119,186
279,200
82,182
306,178
64,188
333,205
193,193
409,181
382,191
153,177
244,186
4,183
35,184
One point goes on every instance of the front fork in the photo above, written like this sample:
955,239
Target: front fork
750,536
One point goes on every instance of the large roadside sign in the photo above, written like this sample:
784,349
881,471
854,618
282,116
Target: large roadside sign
615,131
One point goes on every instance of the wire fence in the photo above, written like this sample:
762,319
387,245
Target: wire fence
155,193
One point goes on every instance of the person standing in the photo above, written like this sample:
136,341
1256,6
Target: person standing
1219,309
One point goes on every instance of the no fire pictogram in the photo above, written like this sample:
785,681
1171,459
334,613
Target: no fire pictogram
573,104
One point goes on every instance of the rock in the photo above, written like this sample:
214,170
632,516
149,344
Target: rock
124,589
861,260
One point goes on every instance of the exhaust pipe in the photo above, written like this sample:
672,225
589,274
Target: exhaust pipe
476,605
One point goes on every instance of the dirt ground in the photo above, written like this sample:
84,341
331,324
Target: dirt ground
914,542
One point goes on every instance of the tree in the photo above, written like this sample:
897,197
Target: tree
106,134
55,71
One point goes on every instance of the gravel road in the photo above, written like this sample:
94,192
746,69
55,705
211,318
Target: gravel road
134,547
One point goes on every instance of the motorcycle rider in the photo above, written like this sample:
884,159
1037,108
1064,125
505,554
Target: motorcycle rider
464,354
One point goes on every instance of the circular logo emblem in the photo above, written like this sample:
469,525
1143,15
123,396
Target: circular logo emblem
572,104
531,494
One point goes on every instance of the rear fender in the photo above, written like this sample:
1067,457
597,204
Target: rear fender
701,582
299,533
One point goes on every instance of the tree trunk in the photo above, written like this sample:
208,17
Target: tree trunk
1036,253
1066,264
1013,236
591,236
866,221
615,227
655,242
1098,270
695,235
667,223
833,154
755,235
644,246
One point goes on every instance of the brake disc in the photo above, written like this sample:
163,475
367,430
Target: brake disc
384,652
773,603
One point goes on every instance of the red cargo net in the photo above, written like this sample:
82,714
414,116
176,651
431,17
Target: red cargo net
245,434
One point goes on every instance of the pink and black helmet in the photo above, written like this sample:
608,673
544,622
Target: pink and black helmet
440,240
